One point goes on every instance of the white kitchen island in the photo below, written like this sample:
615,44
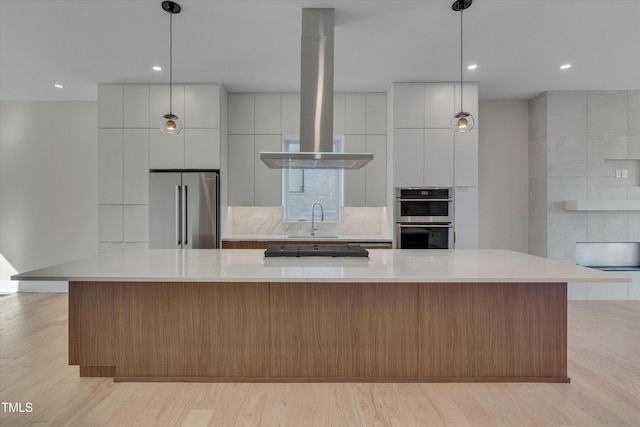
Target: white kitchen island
399,315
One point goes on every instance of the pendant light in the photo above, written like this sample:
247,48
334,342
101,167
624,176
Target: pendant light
170,123
462,122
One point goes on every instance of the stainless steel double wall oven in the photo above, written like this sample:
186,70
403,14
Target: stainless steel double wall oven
424,217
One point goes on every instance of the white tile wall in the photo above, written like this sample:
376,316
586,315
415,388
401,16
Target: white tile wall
577,140
567,113
568,156
607,113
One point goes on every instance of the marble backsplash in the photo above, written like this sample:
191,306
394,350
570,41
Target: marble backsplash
270,220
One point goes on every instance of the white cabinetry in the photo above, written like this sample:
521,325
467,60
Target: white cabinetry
354,180
438,157
409,157
376,114
202,148
376,171
198,145
290,114
201,106
355,117
267,182
136,106
241,170
241,114
466,159
166,151
466,217
408,106
267,115
136,166
438,105
110,166
427,153
130,143
110,108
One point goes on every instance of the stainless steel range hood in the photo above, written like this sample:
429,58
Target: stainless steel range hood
316,102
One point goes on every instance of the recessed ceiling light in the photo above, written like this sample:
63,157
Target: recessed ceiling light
565,66
472,67
58,85
157,68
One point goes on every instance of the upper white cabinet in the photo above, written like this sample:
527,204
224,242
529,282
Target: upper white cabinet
136,106
376,114
241,170
267,115
166,151
201,148
355,117
408,106
438,157
409,157
201,106
438,105
159,103
290,114
339,114
267,182
110,108
241,114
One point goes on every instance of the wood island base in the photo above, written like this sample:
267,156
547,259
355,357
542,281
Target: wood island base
317,332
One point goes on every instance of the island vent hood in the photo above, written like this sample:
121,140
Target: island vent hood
316,102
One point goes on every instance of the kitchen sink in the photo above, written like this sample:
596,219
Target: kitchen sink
310,237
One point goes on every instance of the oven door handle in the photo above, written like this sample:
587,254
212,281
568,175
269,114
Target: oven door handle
424,200
424,225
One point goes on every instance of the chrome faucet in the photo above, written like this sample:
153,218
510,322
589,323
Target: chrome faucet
313,221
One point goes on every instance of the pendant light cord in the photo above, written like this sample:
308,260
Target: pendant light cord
170,63
461,66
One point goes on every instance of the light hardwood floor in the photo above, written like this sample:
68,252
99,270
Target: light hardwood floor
604,366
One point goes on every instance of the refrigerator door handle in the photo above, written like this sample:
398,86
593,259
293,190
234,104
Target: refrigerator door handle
185,215
178,240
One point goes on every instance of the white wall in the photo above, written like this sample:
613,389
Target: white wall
48,183
504,175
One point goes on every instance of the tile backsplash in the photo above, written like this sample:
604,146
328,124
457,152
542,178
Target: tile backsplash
269,220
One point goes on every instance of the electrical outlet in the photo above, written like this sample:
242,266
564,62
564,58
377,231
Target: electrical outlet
618,173
625,173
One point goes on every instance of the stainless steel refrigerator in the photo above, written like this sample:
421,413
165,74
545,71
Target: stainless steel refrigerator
184,209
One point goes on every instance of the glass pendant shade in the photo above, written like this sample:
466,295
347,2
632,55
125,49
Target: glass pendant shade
462,122
170,124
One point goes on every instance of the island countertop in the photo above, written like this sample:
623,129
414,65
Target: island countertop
382,266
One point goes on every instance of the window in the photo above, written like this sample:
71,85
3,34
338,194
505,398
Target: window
303,187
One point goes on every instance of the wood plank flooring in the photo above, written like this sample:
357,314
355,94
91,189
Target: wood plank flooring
604,366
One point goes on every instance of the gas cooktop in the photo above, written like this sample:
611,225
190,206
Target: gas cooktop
348,251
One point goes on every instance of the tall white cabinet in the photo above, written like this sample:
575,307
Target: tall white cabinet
427,153
130,144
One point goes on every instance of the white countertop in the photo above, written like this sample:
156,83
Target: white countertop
307,237
249,265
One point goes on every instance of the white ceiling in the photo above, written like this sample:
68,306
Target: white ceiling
254,45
